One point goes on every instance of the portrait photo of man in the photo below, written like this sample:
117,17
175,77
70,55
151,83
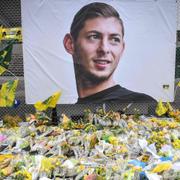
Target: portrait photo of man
99,52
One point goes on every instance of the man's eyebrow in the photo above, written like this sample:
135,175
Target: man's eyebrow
116,34
98,32
93,31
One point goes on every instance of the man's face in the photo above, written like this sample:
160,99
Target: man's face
98,48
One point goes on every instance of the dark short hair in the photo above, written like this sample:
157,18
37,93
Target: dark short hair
90,11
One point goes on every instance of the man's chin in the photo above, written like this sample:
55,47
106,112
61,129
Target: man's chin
98,78
92,77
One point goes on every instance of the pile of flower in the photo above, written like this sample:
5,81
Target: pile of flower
99,146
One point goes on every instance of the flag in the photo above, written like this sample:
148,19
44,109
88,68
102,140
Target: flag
7,93
169,107
178,84
161,108
48,103
5,57
8,34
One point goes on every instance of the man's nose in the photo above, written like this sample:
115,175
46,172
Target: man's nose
104,47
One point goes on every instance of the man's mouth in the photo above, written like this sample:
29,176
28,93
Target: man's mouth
102,61
101,64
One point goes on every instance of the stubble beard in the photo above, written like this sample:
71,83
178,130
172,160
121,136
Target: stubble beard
87,79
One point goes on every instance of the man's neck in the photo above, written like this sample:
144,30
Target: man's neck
84,91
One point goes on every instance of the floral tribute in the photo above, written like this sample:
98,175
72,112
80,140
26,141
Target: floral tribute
99,146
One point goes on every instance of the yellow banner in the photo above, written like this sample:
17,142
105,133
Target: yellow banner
7,93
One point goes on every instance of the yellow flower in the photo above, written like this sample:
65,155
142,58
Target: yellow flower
162,167
48,164
113,140
128,175
5,156
5,160
122,149
66,122
80,168
23,174
173,125
176,144
115,168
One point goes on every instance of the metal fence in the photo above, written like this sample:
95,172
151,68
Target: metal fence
10,16
177,75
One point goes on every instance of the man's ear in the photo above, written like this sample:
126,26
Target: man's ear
68,44
123,46
122,49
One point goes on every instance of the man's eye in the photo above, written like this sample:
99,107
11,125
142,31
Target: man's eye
92,37
116,40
